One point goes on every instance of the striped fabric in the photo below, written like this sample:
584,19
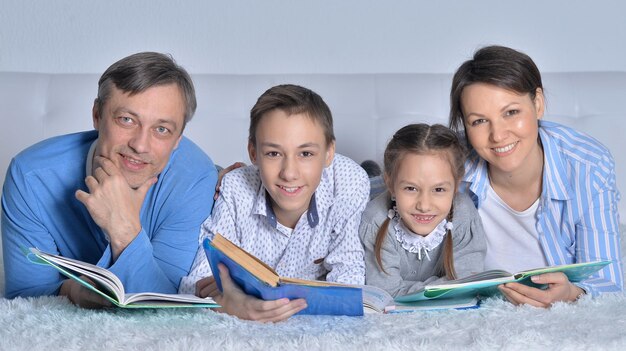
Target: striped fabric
577,218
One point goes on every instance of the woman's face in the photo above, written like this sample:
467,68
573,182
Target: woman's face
502,125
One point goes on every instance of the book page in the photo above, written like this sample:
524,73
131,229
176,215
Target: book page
376,299
110,283
100,275
575,272
492,276
309,282
66,272
251,263
462,302
152,297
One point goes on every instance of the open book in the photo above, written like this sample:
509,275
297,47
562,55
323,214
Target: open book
258,279
378,300
110,287
485,284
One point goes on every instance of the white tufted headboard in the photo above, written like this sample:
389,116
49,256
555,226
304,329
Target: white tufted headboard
367,109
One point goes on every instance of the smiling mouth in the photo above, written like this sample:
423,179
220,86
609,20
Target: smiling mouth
133,163
290,189
423,218
505,149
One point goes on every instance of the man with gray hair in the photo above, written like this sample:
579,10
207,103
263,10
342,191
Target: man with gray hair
128,196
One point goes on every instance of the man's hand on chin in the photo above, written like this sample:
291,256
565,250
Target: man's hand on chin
113,204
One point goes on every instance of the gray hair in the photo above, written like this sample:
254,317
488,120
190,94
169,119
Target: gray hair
138,72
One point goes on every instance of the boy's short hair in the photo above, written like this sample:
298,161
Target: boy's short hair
292,99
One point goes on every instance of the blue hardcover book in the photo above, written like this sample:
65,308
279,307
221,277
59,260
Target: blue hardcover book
257,279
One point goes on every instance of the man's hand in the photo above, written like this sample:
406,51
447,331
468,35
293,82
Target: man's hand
113,204
221,174
81,296
207,287
235,302
559,289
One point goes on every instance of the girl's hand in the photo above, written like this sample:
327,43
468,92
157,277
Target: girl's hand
559,289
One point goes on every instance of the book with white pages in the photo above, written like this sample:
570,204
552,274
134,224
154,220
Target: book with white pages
111,288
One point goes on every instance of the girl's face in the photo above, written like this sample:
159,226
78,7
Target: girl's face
502,126
424,188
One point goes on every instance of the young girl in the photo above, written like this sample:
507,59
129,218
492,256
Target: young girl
421,231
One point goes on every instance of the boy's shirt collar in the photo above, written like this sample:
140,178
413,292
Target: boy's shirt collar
312,215
321,200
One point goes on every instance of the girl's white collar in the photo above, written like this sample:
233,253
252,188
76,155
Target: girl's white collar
417,243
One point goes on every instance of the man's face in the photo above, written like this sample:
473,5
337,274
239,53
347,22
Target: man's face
139,132
291,153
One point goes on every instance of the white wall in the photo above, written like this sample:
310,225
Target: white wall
307,37
328,36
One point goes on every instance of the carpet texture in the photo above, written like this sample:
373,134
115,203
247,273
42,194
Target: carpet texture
52,323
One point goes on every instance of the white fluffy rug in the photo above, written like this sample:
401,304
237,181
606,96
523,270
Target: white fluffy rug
52,323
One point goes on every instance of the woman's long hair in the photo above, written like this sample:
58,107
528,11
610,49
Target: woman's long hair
494,65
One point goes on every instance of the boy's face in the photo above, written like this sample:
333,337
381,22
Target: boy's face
291,153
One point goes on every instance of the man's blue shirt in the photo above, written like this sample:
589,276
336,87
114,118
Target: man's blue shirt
39,209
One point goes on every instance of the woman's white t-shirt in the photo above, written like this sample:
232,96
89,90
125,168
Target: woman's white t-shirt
512,237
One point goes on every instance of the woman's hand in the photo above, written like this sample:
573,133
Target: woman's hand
559,289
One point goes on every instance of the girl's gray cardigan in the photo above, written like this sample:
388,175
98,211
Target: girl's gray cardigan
405,273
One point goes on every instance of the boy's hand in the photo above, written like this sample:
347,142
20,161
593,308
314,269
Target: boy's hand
207,287
221,174
235,302
559,289
81,296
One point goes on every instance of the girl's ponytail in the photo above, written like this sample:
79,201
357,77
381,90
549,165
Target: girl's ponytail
448,256
380,238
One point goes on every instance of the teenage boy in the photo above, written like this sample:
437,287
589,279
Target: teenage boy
297,207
